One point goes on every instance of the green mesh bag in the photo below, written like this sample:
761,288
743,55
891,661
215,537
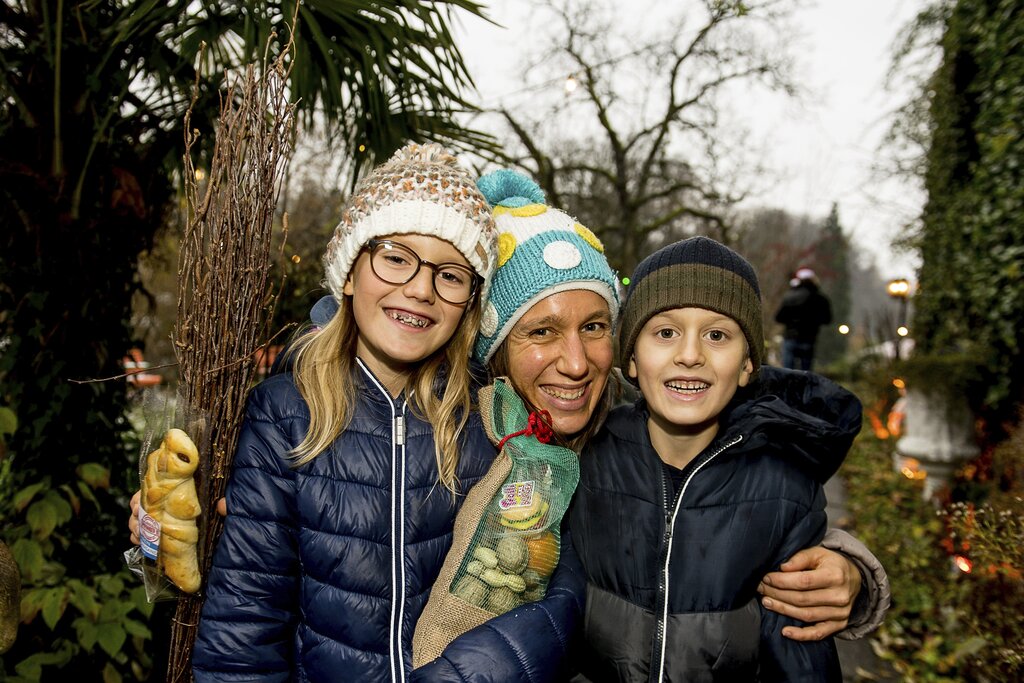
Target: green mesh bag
506,539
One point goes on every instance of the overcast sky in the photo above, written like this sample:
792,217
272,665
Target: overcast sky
821,148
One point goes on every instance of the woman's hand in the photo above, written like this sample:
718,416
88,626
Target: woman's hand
133,519
817,586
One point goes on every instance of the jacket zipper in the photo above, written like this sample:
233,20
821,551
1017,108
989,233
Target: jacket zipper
397,656
658,661
398,509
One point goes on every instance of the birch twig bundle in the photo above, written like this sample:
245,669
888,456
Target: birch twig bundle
224,297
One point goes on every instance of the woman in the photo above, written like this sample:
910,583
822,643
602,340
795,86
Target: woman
344,484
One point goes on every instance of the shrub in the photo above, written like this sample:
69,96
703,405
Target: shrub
82,619
946,624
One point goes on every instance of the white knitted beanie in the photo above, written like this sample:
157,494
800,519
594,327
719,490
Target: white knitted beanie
420,190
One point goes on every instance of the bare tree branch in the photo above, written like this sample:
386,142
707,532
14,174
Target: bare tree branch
638,148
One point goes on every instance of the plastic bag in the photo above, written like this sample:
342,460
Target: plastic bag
167,557
507,534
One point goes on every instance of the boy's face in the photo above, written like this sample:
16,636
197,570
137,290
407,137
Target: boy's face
689,363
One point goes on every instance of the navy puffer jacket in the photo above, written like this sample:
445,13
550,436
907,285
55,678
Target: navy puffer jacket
672,572
323,570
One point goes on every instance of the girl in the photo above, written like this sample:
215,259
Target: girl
336,535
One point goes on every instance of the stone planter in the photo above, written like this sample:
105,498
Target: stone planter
938,436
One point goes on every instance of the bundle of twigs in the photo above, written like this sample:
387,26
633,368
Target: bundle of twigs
224,297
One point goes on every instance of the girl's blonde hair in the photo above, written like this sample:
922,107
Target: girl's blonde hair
324,365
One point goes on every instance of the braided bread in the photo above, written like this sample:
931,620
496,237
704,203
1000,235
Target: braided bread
169,496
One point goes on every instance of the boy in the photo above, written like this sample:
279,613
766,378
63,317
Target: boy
689,496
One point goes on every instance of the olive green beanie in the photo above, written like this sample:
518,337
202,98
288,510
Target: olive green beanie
697,272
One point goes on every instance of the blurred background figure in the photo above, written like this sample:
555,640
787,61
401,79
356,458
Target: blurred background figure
804,309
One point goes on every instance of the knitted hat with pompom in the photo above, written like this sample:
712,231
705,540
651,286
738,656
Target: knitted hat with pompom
541,251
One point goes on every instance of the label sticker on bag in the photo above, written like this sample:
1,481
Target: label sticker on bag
149,535
517,494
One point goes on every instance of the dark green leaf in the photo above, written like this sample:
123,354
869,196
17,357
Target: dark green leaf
94,474
86,631
142,603
111,585
25,496
111,637
42,518
137,628
110,674
83,597
31,603
87,493
8,421
60,505
29,556
54,603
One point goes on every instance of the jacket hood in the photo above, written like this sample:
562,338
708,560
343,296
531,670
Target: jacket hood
806,418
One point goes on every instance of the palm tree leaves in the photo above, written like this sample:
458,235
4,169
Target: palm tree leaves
377,73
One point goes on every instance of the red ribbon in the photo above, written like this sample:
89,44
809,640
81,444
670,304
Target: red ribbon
538,424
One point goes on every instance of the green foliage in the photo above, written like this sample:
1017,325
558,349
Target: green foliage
920,635
944,624
971,238
992,609
69,613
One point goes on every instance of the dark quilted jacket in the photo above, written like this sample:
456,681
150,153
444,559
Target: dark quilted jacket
322,570
671,583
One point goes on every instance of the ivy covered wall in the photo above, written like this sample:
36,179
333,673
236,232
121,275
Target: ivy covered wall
971,240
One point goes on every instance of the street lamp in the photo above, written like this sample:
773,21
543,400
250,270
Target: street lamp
899,289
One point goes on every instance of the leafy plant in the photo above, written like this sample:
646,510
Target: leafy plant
971,231
920,635
955,573
68,614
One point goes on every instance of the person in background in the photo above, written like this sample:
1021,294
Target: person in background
689,496
803,311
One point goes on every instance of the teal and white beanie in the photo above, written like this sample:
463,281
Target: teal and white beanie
541,251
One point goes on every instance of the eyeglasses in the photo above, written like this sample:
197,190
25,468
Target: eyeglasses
397,264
